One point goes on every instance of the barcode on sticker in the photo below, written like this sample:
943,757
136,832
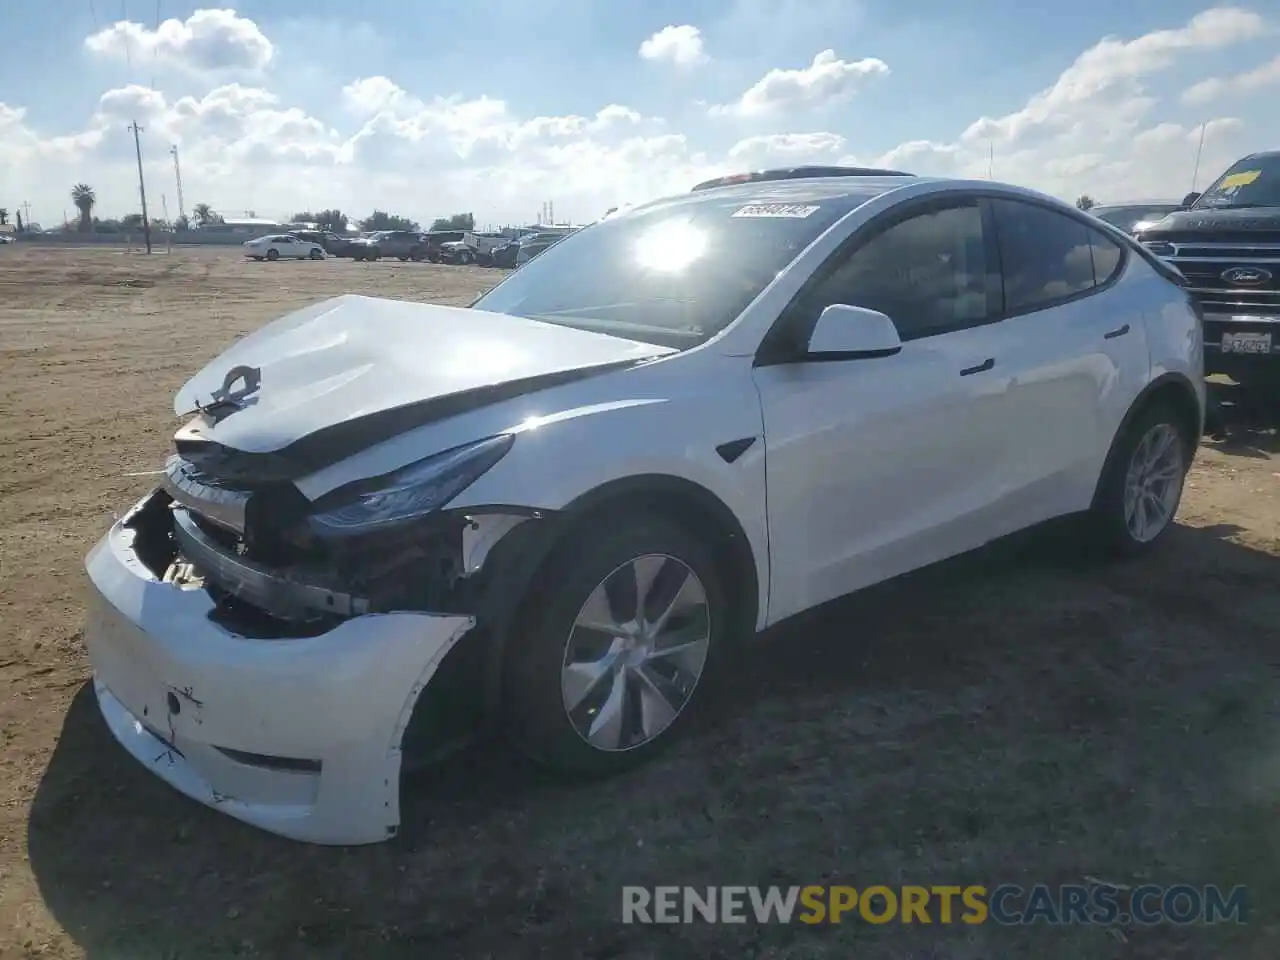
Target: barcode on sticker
795,210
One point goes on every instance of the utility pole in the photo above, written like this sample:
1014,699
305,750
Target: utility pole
177,173
26,215
142,188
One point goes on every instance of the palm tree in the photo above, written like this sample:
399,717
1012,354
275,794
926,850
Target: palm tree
84,198
203,214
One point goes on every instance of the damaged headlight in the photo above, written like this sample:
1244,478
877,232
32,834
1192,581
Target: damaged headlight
410,492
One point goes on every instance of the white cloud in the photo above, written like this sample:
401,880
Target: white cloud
826,80
1099,128
774,148
207,41
1216,87
680,45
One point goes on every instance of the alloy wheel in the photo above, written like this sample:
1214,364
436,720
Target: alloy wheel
635,653
1153,484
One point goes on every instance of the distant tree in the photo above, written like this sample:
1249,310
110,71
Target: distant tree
4,216
381,220
131,221
458,221
84,198
182,224
334,220
1085,202
204,214
21,229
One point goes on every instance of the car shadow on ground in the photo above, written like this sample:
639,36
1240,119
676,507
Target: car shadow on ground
1018,715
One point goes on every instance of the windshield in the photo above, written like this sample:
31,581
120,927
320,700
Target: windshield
1252,182
675,274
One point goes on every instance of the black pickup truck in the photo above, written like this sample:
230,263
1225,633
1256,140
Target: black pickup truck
1226,242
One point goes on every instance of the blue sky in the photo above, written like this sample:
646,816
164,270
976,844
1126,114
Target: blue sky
260,100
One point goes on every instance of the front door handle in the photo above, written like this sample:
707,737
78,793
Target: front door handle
1112,334
983,367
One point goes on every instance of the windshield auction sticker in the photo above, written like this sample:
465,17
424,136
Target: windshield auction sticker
787,210
1241,179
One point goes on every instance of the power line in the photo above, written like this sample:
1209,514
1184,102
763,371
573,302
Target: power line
128,47
142,189
155,50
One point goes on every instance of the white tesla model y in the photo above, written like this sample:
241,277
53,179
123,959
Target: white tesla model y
564,506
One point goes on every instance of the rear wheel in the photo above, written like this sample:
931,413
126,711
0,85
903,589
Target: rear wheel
625,633
1143,481
317,255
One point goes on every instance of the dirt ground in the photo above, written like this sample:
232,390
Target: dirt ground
1015,716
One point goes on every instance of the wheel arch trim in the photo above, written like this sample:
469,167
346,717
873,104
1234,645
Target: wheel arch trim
1172,383
529,546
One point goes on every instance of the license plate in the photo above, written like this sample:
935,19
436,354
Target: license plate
1246,343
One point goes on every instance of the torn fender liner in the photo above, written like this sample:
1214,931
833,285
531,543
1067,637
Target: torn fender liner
325,381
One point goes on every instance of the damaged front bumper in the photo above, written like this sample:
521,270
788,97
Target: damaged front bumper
299,736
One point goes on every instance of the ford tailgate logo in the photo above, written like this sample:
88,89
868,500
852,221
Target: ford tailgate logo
1246,276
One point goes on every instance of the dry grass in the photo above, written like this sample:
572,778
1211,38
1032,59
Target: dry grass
1014,716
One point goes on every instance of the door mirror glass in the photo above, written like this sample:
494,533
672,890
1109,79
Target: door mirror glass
1190,199
844,332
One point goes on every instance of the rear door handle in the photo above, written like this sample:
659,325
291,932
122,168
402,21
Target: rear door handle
1111,335
983,367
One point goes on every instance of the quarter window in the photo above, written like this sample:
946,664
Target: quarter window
1045,257
1106,257
927,273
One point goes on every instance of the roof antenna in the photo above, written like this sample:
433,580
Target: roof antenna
1195,173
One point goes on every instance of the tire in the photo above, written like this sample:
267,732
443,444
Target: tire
316,255
535,703
375,254
273,254
1112,519
403,259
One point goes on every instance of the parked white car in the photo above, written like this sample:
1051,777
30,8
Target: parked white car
575,499
281,246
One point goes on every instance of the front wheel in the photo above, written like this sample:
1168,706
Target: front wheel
625,633
273,254
1142,485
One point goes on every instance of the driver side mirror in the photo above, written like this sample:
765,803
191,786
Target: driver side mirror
844,332
1189,199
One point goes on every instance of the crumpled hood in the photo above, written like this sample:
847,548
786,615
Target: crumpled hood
393,362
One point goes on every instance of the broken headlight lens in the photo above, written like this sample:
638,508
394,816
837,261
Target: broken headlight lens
409,493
